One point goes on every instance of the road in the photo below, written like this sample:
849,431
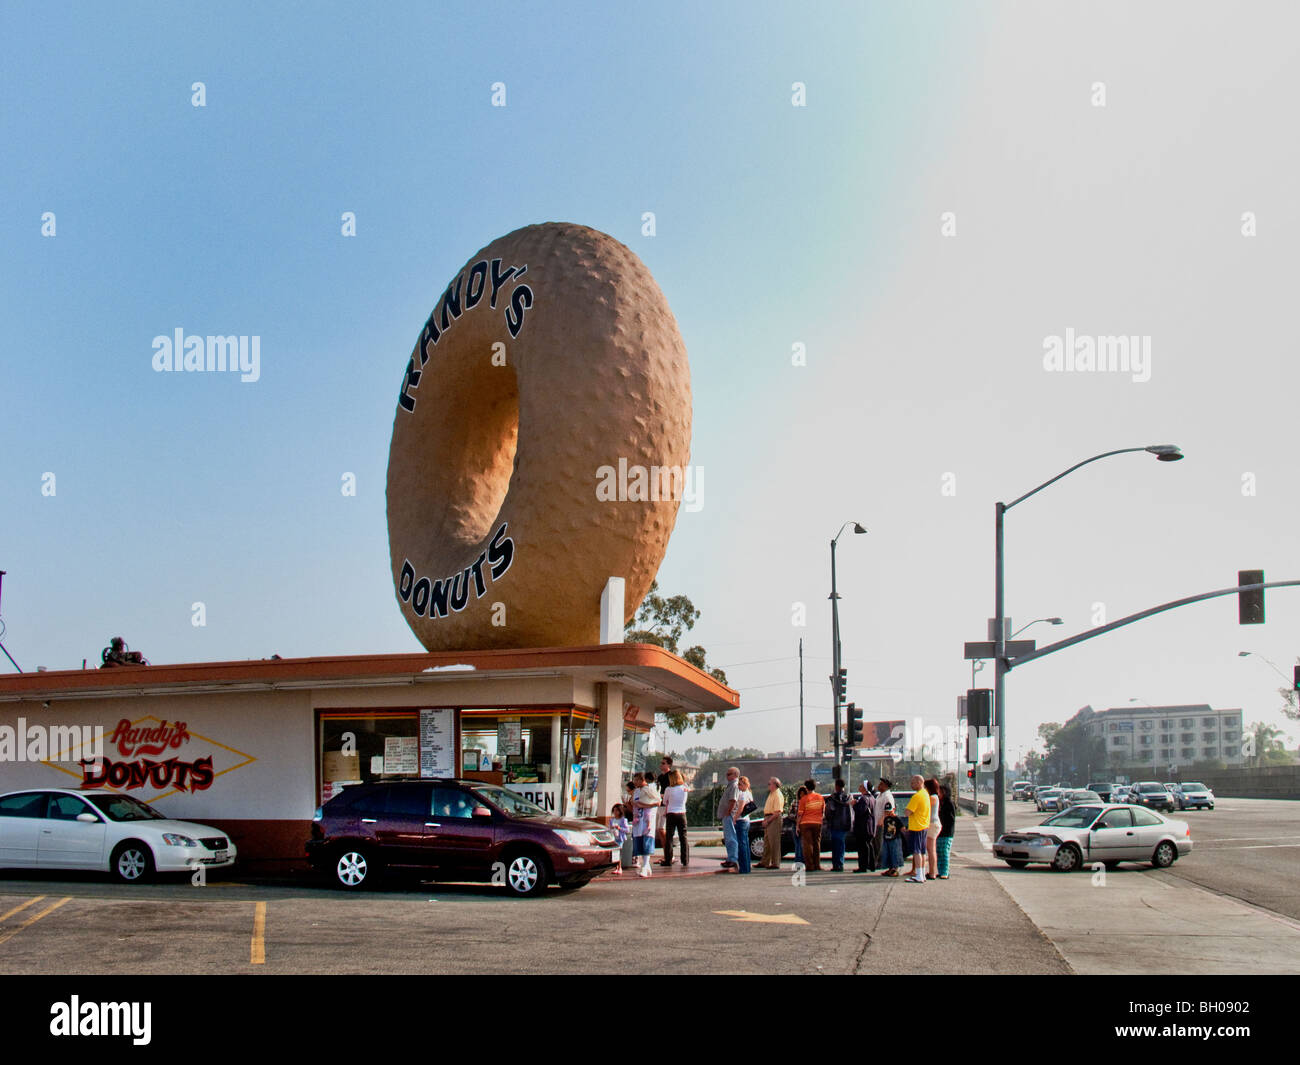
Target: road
1203,915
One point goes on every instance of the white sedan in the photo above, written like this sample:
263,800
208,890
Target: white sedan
103,830
1110,834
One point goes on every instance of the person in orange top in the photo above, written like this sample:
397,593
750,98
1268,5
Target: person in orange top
812,807
918,820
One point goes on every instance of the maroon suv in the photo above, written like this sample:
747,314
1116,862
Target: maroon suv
454,830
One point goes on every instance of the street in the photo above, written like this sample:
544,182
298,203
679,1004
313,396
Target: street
1199,916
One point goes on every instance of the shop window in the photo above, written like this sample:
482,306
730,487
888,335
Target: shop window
364,748
516,745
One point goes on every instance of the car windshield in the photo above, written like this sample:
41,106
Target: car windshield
1195,787
1149,788
1074,817
514,805
125,808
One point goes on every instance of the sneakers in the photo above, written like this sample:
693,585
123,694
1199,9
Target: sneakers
645,869
914,880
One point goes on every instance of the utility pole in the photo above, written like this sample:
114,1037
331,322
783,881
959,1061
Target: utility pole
800,696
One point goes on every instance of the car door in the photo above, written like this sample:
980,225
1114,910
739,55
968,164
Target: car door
1149,830
1115,842
461,838
21,818
66,843
399,827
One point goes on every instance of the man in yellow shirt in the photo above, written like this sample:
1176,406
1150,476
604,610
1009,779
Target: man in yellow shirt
918,820
773,811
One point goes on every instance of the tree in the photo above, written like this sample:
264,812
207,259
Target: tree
1071,752
1264,745
663,621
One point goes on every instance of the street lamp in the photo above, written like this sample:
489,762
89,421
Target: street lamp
1050,621
1163,453
836,694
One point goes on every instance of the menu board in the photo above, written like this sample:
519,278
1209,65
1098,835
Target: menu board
401,755
438,743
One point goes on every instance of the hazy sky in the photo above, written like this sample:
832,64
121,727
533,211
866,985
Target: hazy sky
924,397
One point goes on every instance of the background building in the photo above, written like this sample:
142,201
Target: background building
1161,738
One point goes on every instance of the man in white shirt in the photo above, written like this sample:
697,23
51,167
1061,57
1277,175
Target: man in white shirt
884,797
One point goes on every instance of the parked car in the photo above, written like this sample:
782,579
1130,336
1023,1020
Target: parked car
1151,794
56,828
450,829
1103,790
1193,796
1082,835
1047,799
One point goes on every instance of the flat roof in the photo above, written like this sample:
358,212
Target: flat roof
668,680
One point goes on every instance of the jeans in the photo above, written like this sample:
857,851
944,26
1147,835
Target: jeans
891,855
837,849
945,847
729,838
676,823
742,845
811,836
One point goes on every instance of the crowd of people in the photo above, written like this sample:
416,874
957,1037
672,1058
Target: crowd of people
883,836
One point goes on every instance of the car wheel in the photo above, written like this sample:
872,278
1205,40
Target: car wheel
132,862
526,873
1165,855
1067,859
756,848
354,869
1016,863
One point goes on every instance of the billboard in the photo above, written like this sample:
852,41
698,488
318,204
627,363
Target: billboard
875,734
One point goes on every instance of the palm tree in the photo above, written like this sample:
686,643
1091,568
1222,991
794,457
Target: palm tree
1263,740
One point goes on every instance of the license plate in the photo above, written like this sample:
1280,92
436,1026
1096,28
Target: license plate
220,856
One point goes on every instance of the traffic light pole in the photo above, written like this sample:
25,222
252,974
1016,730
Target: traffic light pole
836,694
999,685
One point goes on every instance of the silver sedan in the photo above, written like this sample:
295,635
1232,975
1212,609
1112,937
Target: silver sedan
1084,835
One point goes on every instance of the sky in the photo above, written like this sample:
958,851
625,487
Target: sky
962,183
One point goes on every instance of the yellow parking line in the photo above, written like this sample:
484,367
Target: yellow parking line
5,916
258,953
35,917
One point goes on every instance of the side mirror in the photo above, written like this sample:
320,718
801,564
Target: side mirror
1100,824
88,818
482,811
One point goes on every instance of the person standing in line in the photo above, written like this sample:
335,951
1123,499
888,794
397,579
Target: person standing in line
675,819
773,814
883,797
839,820
744,807
918,820
726,813
662,782
948,826
864,828
812,809
798,842
932,832
891,834
646,799
622,830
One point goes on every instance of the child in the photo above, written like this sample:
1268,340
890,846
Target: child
891,852
646,800
618,822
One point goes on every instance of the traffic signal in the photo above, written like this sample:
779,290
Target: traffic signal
1250,605
841,684
1296,678
979,708
854,726
970,774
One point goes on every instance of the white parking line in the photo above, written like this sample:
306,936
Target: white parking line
985,842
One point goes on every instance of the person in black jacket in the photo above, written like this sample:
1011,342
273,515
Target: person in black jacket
839,819
864,828
948,821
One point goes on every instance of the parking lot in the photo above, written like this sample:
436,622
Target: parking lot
987,919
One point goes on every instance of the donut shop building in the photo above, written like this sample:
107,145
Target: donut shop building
253,747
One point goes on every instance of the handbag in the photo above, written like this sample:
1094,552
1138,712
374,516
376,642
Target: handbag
750,807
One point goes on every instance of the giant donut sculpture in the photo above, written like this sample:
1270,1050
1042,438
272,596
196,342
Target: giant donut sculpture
549,376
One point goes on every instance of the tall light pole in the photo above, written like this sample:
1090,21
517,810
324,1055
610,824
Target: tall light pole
1164,453
836,694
